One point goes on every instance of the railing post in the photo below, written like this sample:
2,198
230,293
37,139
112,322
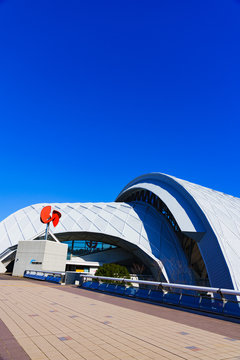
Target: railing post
224,300
160,286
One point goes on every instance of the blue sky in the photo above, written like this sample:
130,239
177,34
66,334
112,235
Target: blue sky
95,93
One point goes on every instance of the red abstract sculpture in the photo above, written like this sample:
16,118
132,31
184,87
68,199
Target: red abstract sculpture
46,217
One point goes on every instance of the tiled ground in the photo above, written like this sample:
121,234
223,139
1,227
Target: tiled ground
201,321
9,347
53,324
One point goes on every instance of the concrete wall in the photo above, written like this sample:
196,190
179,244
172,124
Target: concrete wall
40,255
2,268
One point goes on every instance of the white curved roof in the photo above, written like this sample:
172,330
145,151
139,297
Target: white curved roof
201,212
210,217
137,225
223,214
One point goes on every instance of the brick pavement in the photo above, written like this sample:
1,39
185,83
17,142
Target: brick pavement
9,347
201,320
53,324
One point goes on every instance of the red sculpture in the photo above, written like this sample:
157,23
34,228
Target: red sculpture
46,217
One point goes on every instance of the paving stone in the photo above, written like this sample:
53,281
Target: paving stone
49,322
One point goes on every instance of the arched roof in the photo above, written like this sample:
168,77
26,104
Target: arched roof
136,227
210,217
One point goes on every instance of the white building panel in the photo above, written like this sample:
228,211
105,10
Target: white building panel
209,217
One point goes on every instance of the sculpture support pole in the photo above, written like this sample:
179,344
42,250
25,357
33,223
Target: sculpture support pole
46,233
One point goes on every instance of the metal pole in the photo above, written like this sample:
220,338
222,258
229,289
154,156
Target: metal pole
46,233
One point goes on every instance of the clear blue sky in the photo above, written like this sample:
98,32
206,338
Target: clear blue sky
95,93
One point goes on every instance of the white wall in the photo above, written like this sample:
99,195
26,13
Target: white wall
2,268
50,255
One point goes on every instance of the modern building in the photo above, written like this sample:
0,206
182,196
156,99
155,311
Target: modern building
159,226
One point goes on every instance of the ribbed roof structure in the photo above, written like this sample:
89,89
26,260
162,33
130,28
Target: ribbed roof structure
135,227
210,218
223,214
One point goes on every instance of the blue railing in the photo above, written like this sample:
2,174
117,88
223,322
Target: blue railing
214,300
54,277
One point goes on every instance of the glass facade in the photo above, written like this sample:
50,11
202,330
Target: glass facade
85,247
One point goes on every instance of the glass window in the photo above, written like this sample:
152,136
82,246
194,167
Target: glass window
85,247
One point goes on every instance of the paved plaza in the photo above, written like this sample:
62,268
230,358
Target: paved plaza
53,322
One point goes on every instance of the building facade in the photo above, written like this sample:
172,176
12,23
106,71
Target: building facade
160,226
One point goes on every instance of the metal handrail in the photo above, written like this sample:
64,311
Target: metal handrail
9,250
168,285
46,272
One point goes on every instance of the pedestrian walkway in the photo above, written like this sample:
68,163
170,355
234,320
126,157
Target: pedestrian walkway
58,323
